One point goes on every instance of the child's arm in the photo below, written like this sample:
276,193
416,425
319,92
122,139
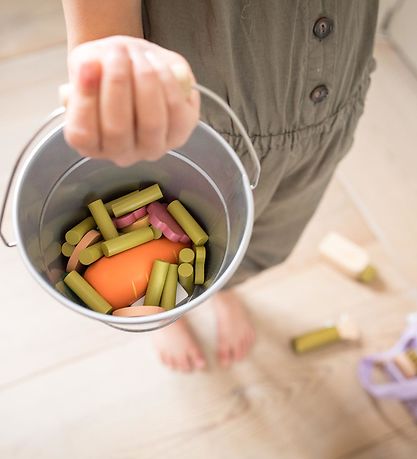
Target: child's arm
125,104
89,20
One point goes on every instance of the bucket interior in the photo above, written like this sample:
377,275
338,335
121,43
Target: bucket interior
57,185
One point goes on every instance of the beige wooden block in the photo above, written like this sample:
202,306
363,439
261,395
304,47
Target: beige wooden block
347,257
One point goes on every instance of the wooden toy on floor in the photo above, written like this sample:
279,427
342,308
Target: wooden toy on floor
344,330
348,257
399,364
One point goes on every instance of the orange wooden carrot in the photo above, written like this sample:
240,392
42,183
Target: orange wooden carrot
123,278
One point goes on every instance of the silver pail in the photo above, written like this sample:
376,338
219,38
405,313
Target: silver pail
53,184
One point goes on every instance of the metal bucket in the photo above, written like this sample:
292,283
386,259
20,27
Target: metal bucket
54,185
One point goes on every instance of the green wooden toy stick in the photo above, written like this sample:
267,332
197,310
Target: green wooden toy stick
108,205
157,233
315,339
186,277
103,220
156,283
199,265
87,293
74,235
186,255
127,241
169,294
137,200
67,249
187,223
91,254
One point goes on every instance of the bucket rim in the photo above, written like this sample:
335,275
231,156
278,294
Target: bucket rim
167,316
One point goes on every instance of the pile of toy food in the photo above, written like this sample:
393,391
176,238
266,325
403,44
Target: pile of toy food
135,255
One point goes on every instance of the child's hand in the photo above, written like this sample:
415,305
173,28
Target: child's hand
125,104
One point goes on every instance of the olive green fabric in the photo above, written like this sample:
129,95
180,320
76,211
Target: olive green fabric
263,58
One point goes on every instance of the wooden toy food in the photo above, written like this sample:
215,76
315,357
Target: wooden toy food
88,239
123,278
91,254
169,294
137,200
87,293
109,205
187,256
181,295
103,220
187,222
67,249
156,283
129,219
127,241
138,311
141,223
200,260
186,276
151,254
74,235
160,218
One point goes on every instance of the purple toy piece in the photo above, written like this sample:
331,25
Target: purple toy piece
401,388
160,218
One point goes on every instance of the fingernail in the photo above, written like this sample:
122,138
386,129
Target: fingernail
89,75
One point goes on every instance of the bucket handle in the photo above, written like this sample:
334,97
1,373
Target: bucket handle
251,149
10,184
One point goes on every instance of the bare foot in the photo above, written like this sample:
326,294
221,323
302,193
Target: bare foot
178,348
236,335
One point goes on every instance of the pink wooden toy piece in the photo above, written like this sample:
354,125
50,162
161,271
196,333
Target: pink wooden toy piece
128,219
161,219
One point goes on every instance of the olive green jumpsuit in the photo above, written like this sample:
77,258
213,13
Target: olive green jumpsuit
296,72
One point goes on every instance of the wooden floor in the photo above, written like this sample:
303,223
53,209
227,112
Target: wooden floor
73,388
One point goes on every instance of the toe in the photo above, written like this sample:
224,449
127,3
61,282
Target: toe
197,360
184,364
225,356
172,363
240,350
